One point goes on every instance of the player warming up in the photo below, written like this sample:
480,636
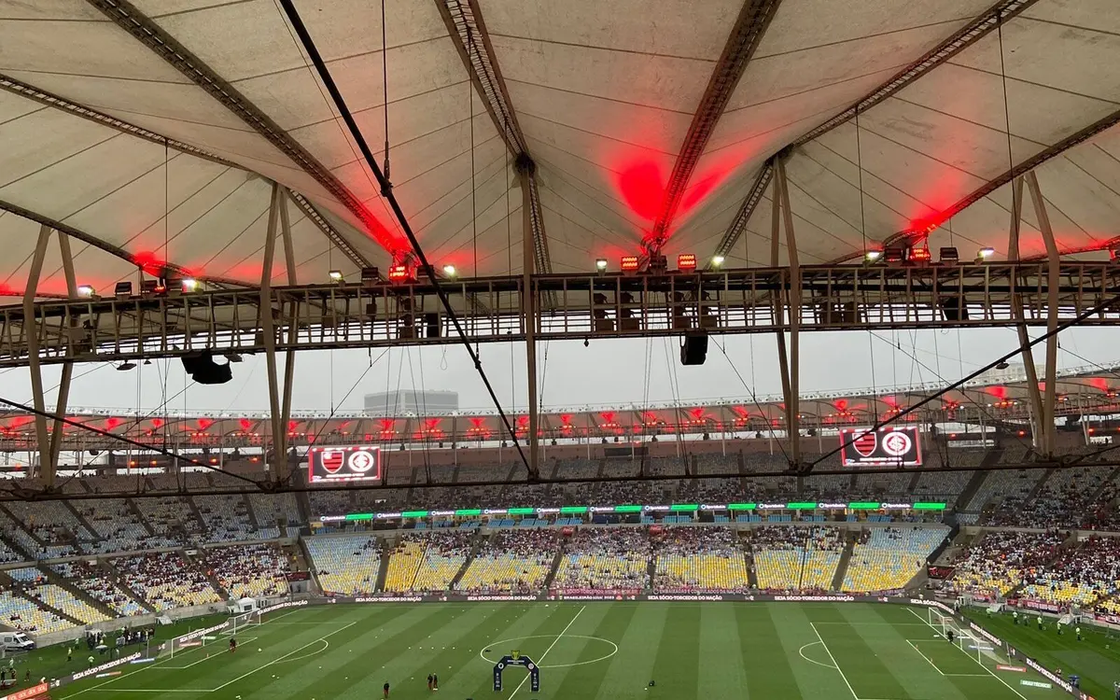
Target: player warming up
232,644
385,688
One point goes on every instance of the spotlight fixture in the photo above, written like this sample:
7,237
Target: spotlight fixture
629,263
126,366
335,275
873,255
398,274
123,290
985,253
85,291
190,285
601,264
1002,365
449,270
686,261
370,277
717,260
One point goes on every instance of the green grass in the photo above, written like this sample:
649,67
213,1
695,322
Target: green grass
603,651
1096,658
51,662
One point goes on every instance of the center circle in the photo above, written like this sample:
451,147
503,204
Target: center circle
614,649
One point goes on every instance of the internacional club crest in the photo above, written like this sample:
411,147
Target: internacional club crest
896,444
362,462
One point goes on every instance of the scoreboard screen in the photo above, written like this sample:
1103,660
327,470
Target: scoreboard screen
333,464
861,447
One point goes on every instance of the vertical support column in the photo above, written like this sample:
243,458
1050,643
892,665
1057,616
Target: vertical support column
290,354
268,330
1052,280
790,363
1033,392
529,312
31,331
67,367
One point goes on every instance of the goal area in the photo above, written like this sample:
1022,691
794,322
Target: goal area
977,647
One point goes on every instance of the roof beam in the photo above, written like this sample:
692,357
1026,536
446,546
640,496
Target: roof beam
968,35
1018,170
162,44
48,99
745,37
468,31
959,41
116,251
746,210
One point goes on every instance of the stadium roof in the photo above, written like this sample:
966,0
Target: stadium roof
152,131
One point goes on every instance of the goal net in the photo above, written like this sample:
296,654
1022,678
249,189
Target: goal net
977,647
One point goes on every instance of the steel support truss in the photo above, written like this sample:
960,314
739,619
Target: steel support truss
835,297
49,445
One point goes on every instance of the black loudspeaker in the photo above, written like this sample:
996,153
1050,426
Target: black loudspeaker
431,320
954,309
204,370
695,349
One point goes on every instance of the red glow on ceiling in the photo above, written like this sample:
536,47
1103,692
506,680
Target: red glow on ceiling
245,423
741,411
696,413
890,401
292,424
431,423
157,422
112,422
149,262
1000,392
478,422
566,418
608,416
642,186
204,423
1099,383
396,244
387,425
840,404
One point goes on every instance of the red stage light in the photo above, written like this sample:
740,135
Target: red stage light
686,261
398,273
629,263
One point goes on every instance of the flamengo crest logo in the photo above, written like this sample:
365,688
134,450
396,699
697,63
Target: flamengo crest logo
896,444
332,460
866,443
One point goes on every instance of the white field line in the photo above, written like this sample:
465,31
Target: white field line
949,675
978,663
540,660
278,660
838,669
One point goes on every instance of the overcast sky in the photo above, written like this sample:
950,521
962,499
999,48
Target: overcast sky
619,372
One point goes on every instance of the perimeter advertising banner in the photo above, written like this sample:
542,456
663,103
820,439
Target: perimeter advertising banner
895,446
332,464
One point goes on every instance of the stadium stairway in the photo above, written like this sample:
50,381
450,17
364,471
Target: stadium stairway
306,556
383,568
78,593
115,576
14,546
197,515
651,571
845,558
199,564
554,568
139,516
81,518
964,500
1038,486
748,558
476,544
7,583
19,524
913,482
252,514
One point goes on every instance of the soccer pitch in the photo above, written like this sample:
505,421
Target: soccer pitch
603,650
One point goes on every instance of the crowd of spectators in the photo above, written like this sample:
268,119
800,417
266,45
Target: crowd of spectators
166,580
511,561
700,559
788,557
1080,575
95,583
605,559
249,570
997,562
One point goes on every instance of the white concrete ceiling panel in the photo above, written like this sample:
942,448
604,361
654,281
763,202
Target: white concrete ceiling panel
661,27
611,213
98,268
